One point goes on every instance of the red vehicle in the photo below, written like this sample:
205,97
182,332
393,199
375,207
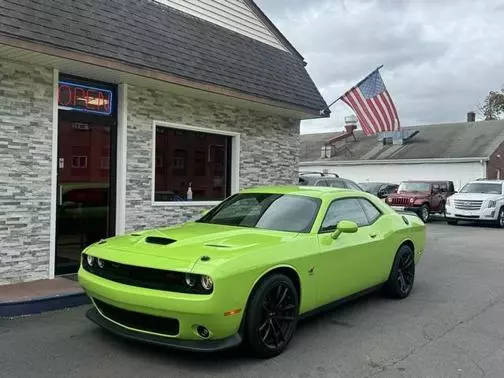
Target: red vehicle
422,197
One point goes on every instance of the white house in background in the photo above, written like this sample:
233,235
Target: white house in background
459,152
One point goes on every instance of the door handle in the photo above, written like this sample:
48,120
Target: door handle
373,235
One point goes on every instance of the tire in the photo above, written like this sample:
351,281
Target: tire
402,275
272,316
453,222
424,213
500,218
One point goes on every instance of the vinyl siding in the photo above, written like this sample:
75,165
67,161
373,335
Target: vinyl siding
234,15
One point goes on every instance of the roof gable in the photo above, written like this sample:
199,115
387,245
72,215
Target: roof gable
452,140
235,15
149,35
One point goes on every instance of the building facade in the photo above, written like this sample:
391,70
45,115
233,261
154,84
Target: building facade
158,111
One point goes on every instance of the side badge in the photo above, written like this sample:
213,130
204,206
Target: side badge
311,270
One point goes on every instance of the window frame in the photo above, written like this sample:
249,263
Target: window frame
235,162
364,211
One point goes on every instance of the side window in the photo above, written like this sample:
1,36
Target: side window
351,185
371,211
337,184
321,183
344,209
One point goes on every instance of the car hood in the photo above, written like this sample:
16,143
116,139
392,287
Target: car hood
187,243
410,195
475,196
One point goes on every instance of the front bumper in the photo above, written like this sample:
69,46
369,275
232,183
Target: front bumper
188,345
410,209
190,310
488,214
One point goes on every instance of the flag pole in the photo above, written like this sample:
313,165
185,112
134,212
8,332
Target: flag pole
323,111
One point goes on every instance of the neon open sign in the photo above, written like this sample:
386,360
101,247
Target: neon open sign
83,98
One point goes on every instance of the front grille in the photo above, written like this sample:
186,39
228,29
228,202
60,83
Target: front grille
467,216
137,320
150,278
467,205
400,201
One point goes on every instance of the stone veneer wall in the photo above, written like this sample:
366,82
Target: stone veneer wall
26,93
269,147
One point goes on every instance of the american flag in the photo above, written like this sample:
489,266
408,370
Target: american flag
373,106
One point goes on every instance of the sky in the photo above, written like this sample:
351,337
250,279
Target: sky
441,58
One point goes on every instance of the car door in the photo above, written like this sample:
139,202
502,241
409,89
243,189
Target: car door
436,197
347,264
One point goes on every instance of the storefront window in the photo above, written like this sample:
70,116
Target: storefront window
191,165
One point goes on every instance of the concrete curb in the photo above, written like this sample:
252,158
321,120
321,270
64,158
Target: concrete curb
42,304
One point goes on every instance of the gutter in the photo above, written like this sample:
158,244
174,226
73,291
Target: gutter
330,163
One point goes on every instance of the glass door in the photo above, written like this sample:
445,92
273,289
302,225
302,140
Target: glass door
86,191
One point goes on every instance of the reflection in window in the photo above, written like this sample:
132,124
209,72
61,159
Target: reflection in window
344,209
191,159
79,161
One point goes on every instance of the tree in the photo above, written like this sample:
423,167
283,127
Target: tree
493,106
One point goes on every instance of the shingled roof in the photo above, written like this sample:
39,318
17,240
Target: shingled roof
450,140
147,34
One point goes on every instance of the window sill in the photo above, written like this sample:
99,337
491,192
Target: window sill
185,203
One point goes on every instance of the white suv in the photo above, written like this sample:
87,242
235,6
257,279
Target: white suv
481,201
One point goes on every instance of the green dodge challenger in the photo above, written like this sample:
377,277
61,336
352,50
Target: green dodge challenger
250,268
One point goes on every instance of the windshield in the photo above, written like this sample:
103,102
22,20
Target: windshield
371,187
414,187
280,212
479,187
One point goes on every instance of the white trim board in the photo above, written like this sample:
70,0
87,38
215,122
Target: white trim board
54,177
235,162
122,145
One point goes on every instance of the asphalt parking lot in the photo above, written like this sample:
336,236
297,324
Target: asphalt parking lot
452,325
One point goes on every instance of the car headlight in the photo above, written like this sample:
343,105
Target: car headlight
448,202
492,204
412,200
100,263
90,260
207,283
190,279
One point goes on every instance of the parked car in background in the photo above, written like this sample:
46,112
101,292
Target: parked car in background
310,179
422,197
481,201
319,174
379,189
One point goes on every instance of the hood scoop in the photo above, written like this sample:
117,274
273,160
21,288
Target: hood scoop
159,240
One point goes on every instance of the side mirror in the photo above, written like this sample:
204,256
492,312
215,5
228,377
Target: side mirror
347,227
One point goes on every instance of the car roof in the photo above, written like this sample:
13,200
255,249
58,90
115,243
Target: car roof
376,183
428,181
310,191
487,182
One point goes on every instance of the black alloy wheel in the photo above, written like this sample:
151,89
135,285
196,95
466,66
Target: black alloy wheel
402,276
424,213
272,316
